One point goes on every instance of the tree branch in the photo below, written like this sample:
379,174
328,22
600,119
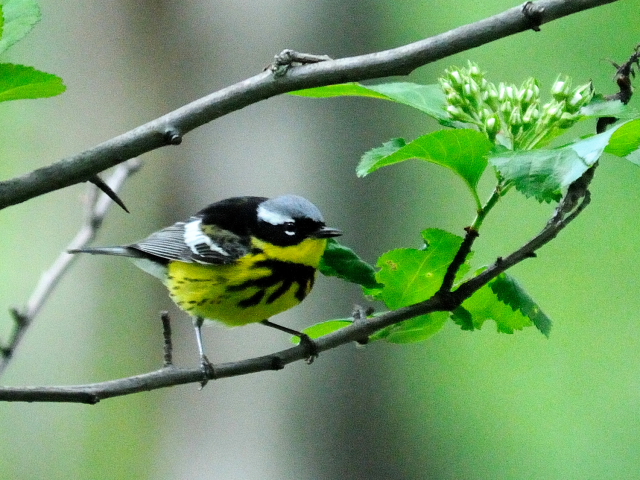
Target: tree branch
97,208
170,128
362,328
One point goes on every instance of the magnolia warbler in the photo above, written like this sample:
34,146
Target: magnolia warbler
237,261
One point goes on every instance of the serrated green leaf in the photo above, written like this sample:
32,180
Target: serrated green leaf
340,261
461,316
540,173
484,305
428,99
377,155
20,16
410,275
463,151
21,82
510,292
625,140
373,293
413,330
543,173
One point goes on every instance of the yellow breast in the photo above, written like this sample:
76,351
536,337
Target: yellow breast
253,288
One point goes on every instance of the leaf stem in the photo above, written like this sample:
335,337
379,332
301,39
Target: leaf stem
467,243
484,211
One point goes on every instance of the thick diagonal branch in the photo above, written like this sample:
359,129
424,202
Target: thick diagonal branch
170,128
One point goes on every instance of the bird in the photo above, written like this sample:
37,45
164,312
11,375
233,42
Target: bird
237,261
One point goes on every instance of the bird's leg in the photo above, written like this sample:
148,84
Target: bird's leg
205,364
310,345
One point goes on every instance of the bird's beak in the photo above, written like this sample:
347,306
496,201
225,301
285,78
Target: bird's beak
327,232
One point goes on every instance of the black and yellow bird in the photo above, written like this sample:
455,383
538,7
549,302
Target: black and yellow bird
238,261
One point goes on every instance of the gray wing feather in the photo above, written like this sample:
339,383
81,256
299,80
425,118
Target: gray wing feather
169,243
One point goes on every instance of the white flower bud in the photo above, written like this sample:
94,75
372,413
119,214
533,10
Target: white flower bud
455,75
531,115
446,86
566,120
454,111
474,70
561,88
510,92
515,118
528,95
576,99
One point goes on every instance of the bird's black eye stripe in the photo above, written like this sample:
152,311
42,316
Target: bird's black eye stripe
288,233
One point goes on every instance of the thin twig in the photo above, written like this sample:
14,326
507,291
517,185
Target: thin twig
288,58
459,259
98,182
166,334
548,233
472,233
96,211
623,76
170,128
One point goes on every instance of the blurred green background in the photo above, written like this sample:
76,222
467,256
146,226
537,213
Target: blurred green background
463,405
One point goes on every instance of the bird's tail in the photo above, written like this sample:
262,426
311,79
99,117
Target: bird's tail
119,251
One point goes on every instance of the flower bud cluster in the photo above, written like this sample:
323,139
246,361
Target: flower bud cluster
510,115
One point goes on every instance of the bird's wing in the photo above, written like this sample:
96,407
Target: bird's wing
192,242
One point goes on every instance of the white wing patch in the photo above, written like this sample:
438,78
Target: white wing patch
194,236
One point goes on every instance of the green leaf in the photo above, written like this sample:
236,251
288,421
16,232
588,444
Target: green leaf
625,140
340,261
373,159
540,173
464,151
352,89
21,82
410,275
461,316
426,98
601,107
510,292
543,173
20,16
484,305
323,328
413,330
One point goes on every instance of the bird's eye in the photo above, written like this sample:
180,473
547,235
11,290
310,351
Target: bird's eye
289,228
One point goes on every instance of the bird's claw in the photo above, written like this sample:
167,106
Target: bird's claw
208,372
310,346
